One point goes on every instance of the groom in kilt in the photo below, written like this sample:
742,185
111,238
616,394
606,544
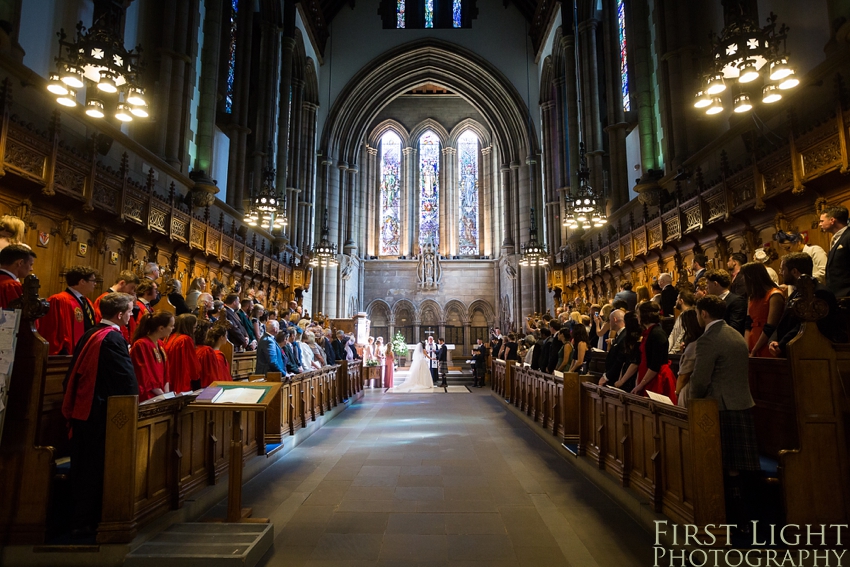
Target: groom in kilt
443,359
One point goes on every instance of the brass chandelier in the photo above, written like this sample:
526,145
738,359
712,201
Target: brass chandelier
750,59
533,253
584,208
98,62
324,254
267,208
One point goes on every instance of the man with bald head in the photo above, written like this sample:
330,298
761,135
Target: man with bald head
616,358
669,295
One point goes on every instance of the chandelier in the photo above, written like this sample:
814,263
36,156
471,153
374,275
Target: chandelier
584,208
98,62
267,209
533,253
324,254
741,55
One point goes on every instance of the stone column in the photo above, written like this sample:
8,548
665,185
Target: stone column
241,102
307,189
467,342
591,122
618,193
167,24
208,88
342,200
571,105
485,202
284,110
642,72
548,236
295,133
416,331
373,205
265,102
353,202
505,178
408,200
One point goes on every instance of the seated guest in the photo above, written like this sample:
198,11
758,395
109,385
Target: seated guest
685,302
196,287
183,370
616,359
339,345
580,352
669,295
721,372
292,352
319,353
236,332
269,355
692,331
767,303
209,340
795,265
793,242
174,291
71,313
101,368
148,355
16,262
717,283
126,283
554,347
326,340
628,296
654,373
632,336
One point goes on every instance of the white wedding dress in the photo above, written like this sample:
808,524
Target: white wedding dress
419,376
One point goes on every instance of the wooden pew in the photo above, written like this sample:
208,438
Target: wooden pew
772,387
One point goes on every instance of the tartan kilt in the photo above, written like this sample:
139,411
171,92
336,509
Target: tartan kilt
738,440
444,367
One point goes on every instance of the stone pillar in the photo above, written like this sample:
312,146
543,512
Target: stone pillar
287,49
167,24
373,203
295,133
485,202
408,202
208,88
548,211
505,179
265,102
467,343
571,105
618,193
342,200
416,332
307,189
642,72
353,202
591,122
242,99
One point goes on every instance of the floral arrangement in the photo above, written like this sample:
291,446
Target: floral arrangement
371,362
399,344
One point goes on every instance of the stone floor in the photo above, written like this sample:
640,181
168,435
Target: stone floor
448,480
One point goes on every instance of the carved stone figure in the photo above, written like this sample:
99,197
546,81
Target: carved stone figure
429,271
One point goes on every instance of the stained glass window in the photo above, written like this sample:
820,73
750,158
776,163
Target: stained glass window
390,194
399,24
429,189
624,63
467,157
429,13
456,13
231,62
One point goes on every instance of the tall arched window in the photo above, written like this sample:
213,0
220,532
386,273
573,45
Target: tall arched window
456,14
467,156
399,14
624,63
231,61
429,189
429,13
390,194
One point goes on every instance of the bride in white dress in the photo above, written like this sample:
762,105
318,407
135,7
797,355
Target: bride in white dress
419,376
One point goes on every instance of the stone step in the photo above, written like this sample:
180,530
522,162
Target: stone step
204,545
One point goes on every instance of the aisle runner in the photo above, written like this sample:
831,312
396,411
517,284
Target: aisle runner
436,390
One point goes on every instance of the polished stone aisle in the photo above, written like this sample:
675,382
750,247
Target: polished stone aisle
437,480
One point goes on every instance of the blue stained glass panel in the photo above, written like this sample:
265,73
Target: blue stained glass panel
399,24
624,63
429,189
429,13
456,13
231,62
390,194
467,150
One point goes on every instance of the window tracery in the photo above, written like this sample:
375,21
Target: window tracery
429,189
467,150
390,194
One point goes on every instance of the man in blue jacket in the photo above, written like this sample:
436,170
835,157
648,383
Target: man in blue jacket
269,355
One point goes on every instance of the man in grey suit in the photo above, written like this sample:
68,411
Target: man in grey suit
721,372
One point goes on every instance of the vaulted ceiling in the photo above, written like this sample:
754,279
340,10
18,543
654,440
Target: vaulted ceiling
330,8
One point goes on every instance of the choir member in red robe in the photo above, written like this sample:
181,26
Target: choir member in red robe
16,261
101,368
184,369
126,283
214,366
146,293
71,312
149,359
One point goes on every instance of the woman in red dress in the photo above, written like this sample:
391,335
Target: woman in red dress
766,305
654,373
148,356
214,365
389,366
184,370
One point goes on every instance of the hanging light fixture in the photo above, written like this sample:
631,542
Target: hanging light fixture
584,208
744,53
324,254
98,62
533,253
267,208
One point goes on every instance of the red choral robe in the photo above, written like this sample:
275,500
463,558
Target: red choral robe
149,362
64,323
80,390
126,331
213,366
10,290
183,365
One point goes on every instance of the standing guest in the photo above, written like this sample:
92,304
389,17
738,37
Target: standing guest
717,283
795,242
145,295
616,358
496,343
257,320
148,355
269,355
479,362
685,302
511,347
369,349
794,266
762,258
633,335
540,354
693,331
71,312
236,333
327,344
565,349
16,262
766,305
12,231
245,320
602,326
101,368
642,293
151,272
656,293
834,221
339,345
626,294
389,367
654,373
669,295
530,346
209,341
442,355
196,287
739,285
217,312
126,283
581,349
721,372
174,290
554,347
183,371
698,266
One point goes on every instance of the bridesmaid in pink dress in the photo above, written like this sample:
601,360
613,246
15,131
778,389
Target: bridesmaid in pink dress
389,363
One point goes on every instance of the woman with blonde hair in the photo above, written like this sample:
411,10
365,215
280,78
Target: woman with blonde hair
196,288
11,230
